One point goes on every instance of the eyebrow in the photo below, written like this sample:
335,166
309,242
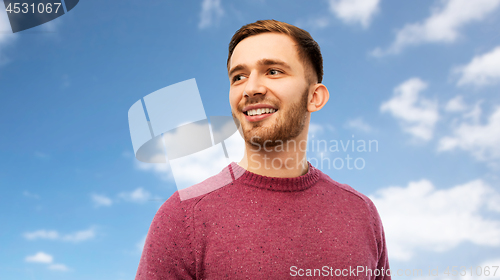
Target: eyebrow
261,62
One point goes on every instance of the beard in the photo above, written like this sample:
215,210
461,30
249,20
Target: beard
288,125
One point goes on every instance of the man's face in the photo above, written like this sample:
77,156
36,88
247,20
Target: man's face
265,72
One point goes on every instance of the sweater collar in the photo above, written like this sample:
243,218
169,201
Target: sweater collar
276,183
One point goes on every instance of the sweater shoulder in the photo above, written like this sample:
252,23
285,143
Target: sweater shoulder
361,203
183,202
168,249
352,194
197,191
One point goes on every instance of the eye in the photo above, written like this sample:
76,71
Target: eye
238,78
274,72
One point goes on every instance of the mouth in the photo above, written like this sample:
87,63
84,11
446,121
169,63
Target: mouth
256,115
258,112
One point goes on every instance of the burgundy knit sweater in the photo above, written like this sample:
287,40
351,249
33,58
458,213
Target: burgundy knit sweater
259,227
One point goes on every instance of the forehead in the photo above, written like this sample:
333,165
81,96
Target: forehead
265,46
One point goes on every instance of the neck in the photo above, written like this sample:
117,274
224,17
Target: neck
286,160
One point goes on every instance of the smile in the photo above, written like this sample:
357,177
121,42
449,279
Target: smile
257,112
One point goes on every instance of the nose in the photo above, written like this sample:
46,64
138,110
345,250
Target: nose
254,85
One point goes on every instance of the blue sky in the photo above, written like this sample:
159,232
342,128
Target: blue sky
419,77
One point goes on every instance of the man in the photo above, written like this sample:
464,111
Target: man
280,217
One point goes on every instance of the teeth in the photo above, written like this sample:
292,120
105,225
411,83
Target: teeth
256,112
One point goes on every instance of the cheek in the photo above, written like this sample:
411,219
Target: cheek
233,100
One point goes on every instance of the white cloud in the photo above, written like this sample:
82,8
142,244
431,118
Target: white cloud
486,266
195,168
101,200
154,161
58,267
492,265
197,162
39,257
211,12
32,195
442,26
313,23
359,124
140,245
6,35
51,26
456,104
42,257
481,140
161,169
355,11
42,234
315,128
54,235
79,235
191,169
482,70
138,195
416,114
474,115
319,22
420,217
4,26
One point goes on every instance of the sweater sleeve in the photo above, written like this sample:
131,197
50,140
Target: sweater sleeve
168,252
383,259
383,262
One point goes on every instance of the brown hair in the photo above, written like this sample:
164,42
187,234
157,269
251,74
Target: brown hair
308,50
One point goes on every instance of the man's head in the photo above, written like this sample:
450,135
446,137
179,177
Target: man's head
269,67
307,49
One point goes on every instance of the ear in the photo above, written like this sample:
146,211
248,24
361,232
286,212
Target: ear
318,98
